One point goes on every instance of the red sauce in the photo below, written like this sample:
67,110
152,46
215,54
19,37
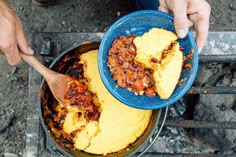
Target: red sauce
126,71
78,95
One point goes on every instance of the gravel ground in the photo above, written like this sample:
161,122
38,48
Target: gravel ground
66,16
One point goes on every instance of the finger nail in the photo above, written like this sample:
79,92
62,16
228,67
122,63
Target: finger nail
181,33
30,51
199,50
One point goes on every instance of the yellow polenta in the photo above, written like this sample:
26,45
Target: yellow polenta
151,45
118,125
167,70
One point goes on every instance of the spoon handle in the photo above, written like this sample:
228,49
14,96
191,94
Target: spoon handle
37,65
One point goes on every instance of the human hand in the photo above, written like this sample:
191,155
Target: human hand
12,38
187,13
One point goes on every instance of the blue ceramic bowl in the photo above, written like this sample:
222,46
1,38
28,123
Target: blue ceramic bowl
138,23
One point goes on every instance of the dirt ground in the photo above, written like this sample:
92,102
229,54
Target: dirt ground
66,16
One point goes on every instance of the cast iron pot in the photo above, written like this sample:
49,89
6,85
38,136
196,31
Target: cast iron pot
65,63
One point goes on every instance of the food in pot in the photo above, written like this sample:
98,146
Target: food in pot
79,96
150,64
95,121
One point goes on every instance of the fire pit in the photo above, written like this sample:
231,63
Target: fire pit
220,48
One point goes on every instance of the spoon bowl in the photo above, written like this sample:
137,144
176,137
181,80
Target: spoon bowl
58,83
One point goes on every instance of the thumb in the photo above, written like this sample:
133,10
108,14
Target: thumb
180,18
22,42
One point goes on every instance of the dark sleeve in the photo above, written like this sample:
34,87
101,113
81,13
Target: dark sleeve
145,4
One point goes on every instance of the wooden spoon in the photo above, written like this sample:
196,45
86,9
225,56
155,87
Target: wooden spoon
58,83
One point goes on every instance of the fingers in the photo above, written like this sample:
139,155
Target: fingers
8,43
163,6
22,42
187,13
201,22
201,27
12,38
163,9
179,9
190,23
11,51
13,58
180,17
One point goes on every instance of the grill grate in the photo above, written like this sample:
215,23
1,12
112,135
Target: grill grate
49,45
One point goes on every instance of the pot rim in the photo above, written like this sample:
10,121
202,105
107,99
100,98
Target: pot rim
51,143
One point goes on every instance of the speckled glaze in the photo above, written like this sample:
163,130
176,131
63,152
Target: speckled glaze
138,23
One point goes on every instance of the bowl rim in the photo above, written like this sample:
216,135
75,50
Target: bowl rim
189,82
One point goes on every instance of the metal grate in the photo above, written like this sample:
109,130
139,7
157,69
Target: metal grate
49,45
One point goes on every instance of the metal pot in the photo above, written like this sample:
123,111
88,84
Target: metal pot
56,143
